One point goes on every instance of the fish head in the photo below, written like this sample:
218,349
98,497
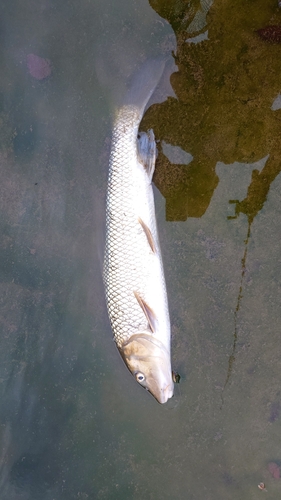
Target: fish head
149,362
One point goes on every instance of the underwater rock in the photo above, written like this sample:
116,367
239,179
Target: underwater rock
274,470
38,67
270,34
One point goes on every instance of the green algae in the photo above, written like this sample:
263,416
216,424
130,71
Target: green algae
225,87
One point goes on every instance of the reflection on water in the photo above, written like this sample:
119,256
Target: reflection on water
73,422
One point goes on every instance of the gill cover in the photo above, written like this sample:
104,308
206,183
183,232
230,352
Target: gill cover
149,362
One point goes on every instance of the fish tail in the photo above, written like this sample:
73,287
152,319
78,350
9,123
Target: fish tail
144,83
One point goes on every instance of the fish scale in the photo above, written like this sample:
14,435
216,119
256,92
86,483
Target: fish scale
124,236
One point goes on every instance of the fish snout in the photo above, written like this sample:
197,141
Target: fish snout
165,393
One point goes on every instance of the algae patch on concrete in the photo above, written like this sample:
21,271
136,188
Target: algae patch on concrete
225,87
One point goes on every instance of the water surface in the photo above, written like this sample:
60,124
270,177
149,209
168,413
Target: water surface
74,423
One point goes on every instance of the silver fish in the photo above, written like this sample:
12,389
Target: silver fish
133,271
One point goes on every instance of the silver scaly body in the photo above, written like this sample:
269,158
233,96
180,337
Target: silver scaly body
133,270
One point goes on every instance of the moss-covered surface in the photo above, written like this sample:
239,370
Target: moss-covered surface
225,88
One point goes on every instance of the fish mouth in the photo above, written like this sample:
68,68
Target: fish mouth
146,355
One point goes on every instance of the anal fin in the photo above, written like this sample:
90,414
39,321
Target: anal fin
147,151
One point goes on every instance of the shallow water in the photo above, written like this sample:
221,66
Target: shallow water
74,423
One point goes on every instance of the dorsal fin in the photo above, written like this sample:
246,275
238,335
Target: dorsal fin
148,235
149,313
147,152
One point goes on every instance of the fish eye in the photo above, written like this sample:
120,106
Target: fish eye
140,377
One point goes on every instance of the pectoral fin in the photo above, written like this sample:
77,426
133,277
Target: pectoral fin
149,313
148,235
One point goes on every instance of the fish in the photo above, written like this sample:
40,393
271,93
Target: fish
133,273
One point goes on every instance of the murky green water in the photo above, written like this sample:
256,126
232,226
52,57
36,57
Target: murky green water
73,422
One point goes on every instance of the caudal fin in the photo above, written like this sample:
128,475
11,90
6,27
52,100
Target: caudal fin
144,83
